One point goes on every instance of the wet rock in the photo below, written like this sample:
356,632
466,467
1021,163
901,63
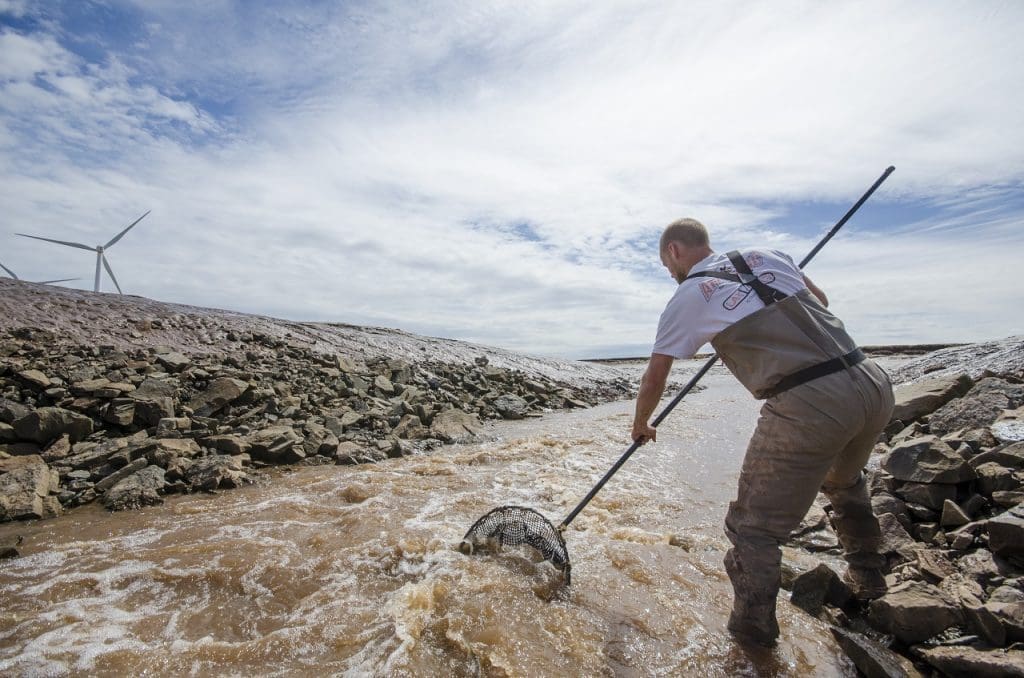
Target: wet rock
142,488
1006,533
9,546
818,586
927,460
455,425
966,661
49,423
25,486
917,399
221,392
873,659
216,472
914,611
511,406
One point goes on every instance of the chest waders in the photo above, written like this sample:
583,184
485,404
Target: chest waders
519,525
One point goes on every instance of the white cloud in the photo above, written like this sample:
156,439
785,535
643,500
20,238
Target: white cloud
376,162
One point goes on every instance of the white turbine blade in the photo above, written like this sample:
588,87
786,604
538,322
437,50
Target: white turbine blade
61,242
96,285
107,266
9,272
121,234
50,282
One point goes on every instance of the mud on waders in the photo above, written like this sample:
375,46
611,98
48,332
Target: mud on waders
510,526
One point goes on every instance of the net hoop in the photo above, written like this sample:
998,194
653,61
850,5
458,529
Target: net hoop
515,526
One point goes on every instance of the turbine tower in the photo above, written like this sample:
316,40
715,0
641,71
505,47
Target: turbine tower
41,282
101,258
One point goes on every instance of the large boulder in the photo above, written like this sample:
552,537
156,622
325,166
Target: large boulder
276,445
927,460
511,406
914,611
219,393
25,487
142,488
917,399
216,471
979,408
454,425
46,424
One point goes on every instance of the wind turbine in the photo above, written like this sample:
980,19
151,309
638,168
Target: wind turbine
42,282
99,250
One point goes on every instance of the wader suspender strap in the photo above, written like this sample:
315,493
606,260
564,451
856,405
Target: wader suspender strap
768,295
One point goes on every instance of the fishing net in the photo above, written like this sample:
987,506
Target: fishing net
516,526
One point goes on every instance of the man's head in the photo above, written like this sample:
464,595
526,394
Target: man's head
684,242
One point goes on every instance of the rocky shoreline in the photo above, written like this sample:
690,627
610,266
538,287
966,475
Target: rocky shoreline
947,484
124,427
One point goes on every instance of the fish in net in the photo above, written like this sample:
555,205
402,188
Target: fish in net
516,526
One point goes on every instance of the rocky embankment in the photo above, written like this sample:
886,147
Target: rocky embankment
113,415
947,484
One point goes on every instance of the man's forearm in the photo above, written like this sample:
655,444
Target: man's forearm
651,390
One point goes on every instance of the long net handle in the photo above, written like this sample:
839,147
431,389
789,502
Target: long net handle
711,361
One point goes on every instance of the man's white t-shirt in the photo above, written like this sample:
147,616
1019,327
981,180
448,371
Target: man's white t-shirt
703,307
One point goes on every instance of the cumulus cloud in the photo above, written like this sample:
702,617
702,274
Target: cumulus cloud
501,173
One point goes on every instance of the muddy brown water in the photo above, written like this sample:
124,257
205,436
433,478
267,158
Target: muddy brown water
353,571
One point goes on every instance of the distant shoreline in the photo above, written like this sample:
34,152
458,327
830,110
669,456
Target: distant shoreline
887,349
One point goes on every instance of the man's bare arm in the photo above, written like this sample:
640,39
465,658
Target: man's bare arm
816,291
652,386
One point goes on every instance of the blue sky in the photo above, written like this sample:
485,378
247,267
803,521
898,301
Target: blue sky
500,172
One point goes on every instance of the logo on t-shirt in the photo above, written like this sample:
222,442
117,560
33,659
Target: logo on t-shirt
708,287
743,291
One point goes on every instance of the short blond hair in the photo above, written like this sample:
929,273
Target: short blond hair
689,232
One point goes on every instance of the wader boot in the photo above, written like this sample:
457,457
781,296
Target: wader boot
755,588
858,531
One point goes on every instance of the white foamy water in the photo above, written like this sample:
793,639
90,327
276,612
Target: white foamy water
353,571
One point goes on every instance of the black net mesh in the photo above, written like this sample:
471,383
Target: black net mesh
517,525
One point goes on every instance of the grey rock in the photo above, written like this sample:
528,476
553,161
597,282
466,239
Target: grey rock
276,445
952,515
1006,533
142,488
215,472
149,411
46,424
873,659
983,622
152,389
1008,499
934,565
895,539
9,546
220,392
57,450
511,406
993,477
7,434
979,408
120,474
883,502
173,362
1011,456
455,425
1011,616
11,411
1009,426
229,444
35,378
160,451
917,399
120,412
967,661
931,495
914,611
25,484
818,586
927,460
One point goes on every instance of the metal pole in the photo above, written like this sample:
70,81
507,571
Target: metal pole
707,366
